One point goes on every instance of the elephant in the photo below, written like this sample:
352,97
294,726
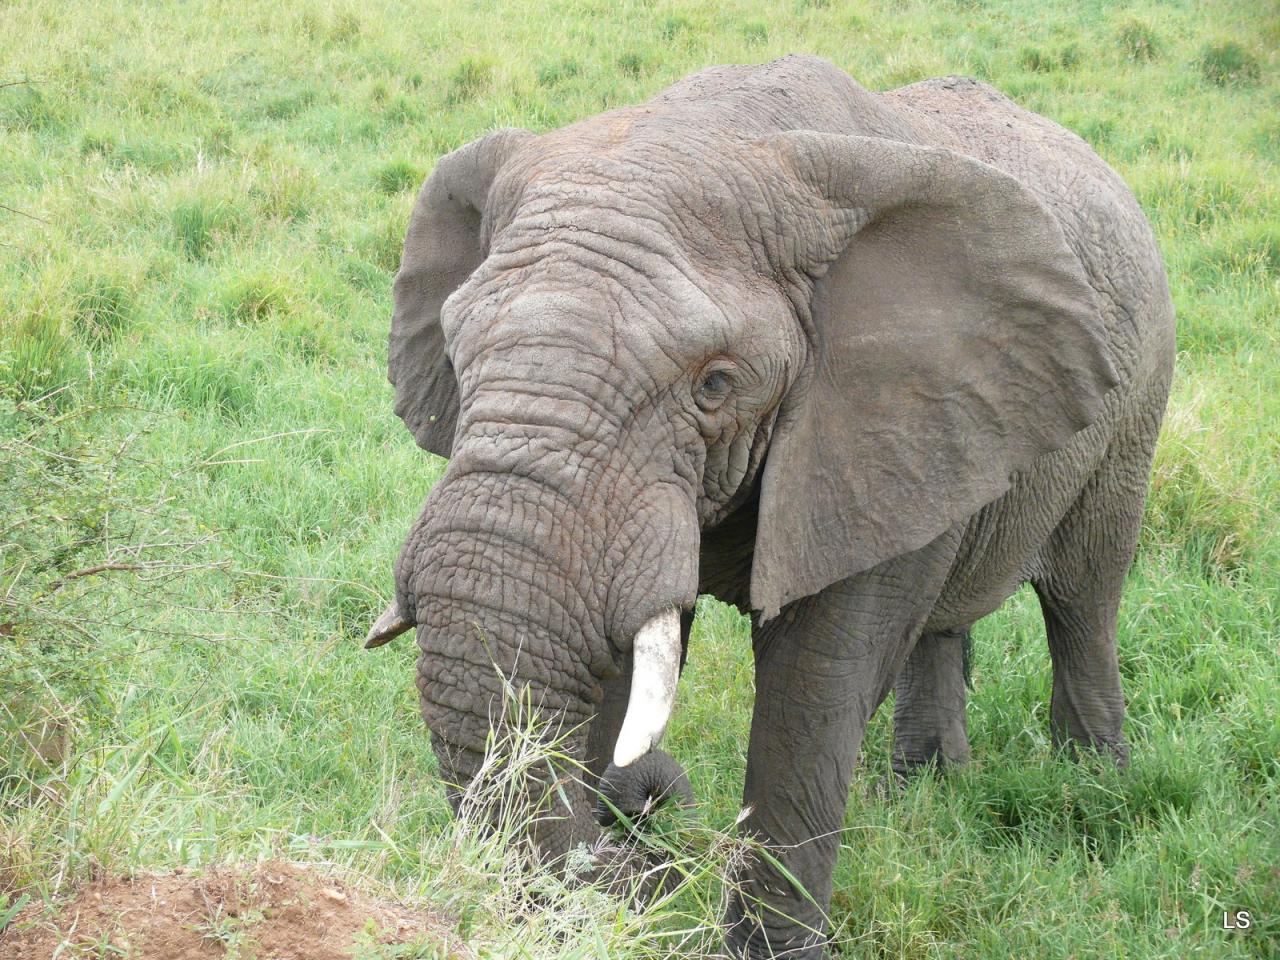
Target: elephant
858,363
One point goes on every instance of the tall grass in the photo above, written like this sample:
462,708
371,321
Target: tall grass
202,486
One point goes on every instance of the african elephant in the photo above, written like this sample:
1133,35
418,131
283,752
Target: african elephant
858,363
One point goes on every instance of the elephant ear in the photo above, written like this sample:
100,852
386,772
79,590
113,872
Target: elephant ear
444,244
954,340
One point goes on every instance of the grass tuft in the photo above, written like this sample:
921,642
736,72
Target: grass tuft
254,298
198,223
27,106
755,32
552,74
1228,64
1199,508
1139,41
102,306
1042,61
383,243
397,177
673,26
469,80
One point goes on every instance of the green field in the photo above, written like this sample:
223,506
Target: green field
203,206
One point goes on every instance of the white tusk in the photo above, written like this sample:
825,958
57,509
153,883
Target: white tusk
390,625
655,668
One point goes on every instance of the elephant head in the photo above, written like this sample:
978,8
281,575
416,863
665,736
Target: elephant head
758,296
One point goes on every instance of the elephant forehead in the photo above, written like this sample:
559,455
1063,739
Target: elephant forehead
695,185
567,307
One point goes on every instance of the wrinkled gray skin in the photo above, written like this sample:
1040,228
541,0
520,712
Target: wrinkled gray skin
858,363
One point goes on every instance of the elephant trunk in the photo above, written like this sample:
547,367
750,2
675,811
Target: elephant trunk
530,597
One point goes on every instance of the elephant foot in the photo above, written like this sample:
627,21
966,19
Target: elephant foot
889,787
634,874
903,773
1085,748
749,937
636,791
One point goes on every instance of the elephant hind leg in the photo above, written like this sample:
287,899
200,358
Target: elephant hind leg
1085,564
929,727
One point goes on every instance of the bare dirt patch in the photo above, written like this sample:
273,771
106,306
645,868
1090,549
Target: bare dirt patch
275,910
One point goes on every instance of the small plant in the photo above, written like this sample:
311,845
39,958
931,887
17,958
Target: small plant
102,307
231,933
469,79
632,64
552,74
397,176
755,32
1228,64
253,298
1139,41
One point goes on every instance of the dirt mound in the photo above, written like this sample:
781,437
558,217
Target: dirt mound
274,910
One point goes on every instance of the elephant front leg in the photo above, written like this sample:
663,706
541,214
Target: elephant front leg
822,667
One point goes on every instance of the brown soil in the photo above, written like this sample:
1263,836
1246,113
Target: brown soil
274,911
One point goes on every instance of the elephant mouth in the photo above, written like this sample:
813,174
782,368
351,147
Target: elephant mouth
656,651
528,779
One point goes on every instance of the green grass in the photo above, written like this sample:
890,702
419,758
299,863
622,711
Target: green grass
202,213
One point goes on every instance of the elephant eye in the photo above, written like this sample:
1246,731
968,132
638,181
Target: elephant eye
713,389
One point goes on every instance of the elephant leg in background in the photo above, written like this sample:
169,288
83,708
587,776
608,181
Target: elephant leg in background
613,708
822,667
930,693
1086,561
